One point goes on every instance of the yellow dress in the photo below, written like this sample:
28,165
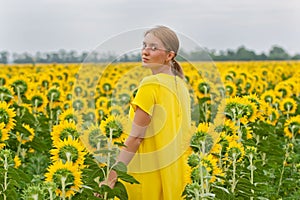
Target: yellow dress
159,164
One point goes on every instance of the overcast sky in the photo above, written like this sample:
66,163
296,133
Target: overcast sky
81,25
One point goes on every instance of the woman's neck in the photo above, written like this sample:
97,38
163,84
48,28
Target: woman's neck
164,69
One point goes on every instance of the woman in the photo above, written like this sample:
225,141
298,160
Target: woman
161,119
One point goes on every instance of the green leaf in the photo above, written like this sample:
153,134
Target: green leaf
120,166
126,177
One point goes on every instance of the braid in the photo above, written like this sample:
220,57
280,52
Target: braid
176,68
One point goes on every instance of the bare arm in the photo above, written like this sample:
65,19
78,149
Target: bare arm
140,122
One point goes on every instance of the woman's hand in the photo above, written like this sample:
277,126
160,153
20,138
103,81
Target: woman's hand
111,179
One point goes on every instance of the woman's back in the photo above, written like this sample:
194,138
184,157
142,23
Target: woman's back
158,164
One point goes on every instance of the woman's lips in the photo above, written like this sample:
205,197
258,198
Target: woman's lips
145,59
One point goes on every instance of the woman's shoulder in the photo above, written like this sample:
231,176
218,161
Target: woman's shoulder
151,79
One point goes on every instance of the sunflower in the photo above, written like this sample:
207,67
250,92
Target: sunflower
3,80
17,162
27,135
124,97
187,167
260,87
102,102
79,104
248,85
231,89
20,85
69,150
54,94
251,150
64,175
44,82
202,88
93,138
283,90
102,113
288,106
38,101
106,86
3,133
228,127
237,108
247,132
116,110
256,104
6,93
71,115
7,116
64,130
271,115
292,126
80,90
202,136
235,150
268,96
210,163
115,127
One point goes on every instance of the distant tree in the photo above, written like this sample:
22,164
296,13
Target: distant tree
198,54
278,53
23,58
4,57
243,54
296,57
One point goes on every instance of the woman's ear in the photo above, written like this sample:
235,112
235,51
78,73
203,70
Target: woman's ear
170,56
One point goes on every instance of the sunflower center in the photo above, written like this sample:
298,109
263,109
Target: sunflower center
53,95
20,86
294,127
5,94
269,99
4,117
283,92
78,104
37,101
235,153
116,128
229,89
203,88
288,106
71,117
59,174
2,81
106,87
68,152
45,83
65,133
95,137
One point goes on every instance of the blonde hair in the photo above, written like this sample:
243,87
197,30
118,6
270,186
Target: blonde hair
170,41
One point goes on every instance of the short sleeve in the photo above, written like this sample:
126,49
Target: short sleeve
145,98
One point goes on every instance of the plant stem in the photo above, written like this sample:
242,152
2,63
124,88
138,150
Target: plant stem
108,158
282,172
5,176
201,169
233,172
251,172
63,187
50,193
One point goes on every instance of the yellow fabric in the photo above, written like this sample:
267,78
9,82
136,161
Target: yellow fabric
159,165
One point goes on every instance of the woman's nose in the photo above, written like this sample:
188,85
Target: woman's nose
145,51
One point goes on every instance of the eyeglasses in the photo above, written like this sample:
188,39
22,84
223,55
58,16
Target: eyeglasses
153,48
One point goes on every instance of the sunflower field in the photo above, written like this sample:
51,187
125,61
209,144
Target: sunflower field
62,125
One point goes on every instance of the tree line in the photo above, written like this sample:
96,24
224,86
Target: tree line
63,56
